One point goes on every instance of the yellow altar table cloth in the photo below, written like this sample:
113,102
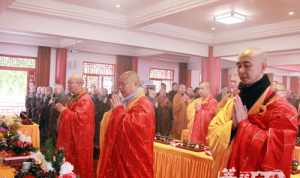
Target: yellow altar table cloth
295,176
172,162
297,153
6,171
32,131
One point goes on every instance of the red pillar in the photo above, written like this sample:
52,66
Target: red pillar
225,78
211,72
295,85
125,63
43,66
189,78
134,62
61,66
184,74
284,81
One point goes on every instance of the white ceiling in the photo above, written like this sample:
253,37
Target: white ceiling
186,21
126,6
198,16
259,12
183,19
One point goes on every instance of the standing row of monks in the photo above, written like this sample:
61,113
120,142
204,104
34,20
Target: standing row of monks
191,118
253,130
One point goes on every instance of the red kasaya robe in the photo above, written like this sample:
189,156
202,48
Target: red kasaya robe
76,133
202,120
265,141
128,147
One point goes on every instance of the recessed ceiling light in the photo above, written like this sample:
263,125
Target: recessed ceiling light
213,28
230,17
291,13
118,6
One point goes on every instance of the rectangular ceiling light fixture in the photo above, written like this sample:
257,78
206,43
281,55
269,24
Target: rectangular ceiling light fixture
231,17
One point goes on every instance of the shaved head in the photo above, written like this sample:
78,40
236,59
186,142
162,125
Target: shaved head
75,83
251,65
253,54
181,89
205,84
204,89
130,77
128,83
76,78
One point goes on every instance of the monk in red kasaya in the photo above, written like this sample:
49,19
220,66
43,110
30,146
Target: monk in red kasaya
205,111
264,124
76,128
129,135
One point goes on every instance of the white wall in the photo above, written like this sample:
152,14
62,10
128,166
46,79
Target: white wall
76,59
278,75
278,78
280,43
29,51
144,66
18,50
52,67
195,78
10,19
195,67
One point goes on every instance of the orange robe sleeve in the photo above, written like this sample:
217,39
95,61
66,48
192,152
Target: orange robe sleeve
103,127
265,141
128,147
202,120
76,134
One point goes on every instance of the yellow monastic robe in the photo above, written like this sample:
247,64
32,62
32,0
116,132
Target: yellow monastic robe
190,112
219,131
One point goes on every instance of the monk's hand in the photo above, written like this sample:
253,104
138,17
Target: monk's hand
240,112
236,92
60,107
115,101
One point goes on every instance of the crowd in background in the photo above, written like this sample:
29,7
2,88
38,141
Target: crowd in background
40,105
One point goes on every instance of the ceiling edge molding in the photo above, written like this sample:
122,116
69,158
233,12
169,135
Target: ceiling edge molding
59,9
164,8
178,32
258,32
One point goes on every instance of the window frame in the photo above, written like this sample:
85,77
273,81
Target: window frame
162,79
19,68
100,76
30,72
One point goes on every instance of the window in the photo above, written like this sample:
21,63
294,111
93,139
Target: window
15,74
17,62
158,76
99,75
